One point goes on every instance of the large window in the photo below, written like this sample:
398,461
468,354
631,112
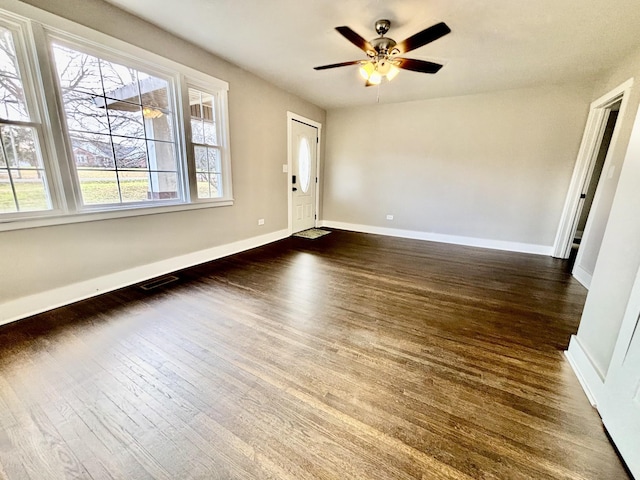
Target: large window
120,123
135,131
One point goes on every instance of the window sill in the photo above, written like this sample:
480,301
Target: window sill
93,216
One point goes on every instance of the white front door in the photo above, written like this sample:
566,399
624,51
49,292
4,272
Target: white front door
620,403
304,139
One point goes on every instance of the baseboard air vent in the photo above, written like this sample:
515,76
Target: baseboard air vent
158,282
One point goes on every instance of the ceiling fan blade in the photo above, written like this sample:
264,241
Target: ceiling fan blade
357,40
427,35
336,65
417,65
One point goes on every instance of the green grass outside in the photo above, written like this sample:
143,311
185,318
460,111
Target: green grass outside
98,187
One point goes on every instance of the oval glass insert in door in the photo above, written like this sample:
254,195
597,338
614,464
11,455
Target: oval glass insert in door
304,164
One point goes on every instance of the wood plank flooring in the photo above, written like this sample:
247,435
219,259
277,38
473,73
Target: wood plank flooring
347,357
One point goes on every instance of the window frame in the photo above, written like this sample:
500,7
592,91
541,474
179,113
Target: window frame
38,114
41,30
109,55
222,132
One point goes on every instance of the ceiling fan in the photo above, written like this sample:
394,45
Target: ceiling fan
383,52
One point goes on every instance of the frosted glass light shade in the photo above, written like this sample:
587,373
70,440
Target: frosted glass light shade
366,70
384,67
393,71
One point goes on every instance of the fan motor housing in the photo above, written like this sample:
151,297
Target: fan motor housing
383,45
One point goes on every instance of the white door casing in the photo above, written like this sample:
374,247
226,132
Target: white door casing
591,241
303,147
619,406
589,147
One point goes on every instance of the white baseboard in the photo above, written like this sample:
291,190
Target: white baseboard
40,302
442,238
582,276
587,373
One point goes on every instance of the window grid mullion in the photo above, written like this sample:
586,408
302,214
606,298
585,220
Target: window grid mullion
19,123
152,186
13,188
115,165
113,150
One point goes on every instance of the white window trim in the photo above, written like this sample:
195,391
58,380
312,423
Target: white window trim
65,40
222,130
34,96
52,220
38,28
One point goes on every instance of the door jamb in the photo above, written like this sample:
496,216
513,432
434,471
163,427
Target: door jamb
591,140
290,117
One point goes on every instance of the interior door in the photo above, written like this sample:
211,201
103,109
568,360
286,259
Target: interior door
304,139
620,403
597,205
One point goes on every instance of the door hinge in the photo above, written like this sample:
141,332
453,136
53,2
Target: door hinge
317,140
583,195
316,179
315,217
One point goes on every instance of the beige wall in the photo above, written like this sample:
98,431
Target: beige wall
619,256
41,259
492,166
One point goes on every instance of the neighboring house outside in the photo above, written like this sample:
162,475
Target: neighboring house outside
94,154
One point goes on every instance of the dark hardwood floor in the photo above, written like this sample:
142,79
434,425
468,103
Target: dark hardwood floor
347,357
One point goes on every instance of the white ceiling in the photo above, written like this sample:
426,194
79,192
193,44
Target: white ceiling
494,44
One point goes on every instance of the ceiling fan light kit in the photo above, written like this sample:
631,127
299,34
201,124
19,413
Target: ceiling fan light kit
373,71
383,52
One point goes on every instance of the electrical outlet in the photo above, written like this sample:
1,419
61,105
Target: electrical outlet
389,217
261,221
285,168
